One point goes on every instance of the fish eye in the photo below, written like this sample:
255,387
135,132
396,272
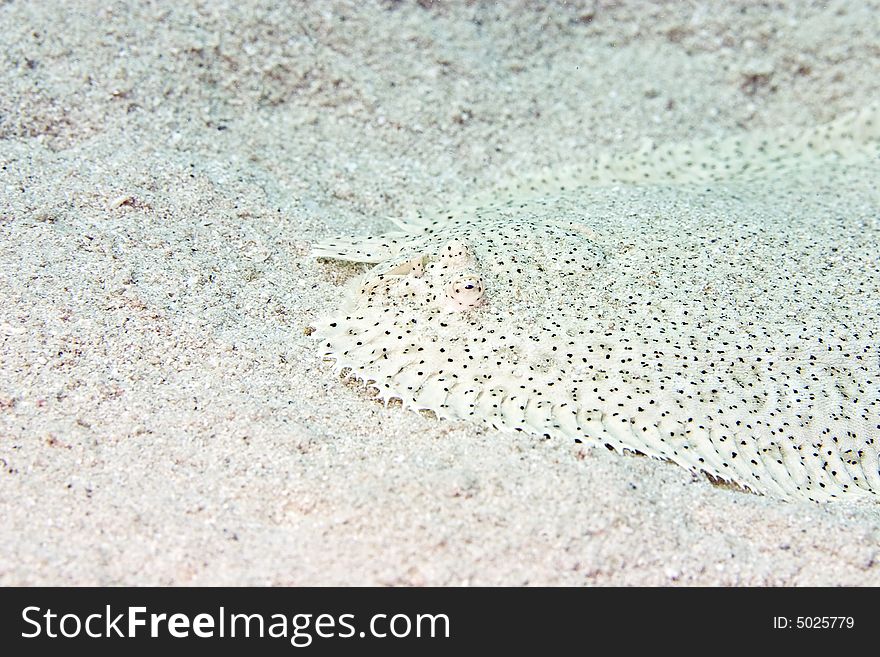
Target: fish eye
465,292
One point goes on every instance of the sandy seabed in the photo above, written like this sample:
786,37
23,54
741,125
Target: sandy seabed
165,419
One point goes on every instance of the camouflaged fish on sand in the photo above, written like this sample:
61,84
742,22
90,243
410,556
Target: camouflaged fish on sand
733,331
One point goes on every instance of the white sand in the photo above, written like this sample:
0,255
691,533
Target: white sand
163,417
